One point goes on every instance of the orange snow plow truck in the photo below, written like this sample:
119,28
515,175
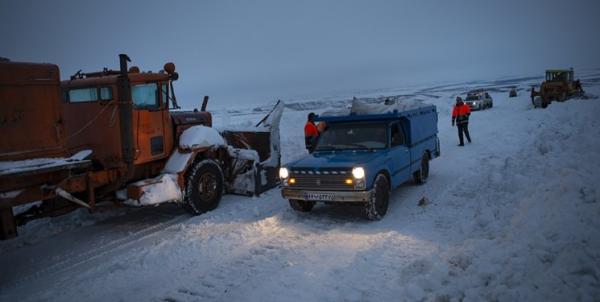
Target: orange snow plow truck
115,135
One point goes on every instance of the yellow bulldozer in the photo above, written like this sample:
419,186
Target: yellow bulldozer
558,86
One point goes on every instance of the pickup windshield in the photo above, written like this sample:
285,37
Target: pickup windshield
348,136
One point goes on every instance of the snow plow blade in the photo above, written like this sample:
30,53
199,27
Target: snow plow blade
251,176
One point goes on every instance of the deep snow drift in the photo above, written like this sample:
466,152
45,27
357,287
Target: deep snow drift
512,216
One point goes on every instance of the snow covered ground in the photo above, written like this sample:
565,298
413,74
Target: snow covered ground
512,216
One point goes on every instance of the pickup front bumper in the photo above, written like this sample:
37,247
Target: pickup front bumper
327,196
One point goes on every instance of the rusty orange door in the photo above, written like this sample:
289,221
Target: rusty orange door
151,125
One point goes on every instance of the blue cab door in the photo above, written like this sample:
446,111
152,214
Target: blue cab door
399,156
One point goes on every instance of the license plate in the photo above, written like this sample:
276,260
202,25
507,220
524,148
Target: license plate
318,196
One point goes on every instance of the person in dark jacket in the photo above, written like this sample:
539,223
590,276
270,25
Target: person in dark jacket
460,116
311,133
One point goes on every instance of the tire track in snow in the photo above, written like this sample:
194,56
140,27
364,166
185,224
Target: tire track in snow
296,251
98,252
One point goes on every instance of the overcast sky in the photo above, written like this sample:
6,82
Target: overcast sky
244,52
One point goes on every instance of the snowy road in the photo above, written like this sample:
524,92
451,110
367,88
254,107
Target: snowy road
512,216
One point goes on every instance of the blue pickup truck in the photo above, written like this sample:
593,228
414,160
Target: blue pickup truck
360,158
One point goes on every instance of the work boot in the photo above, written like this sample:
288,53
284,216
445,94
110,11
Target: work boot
460,145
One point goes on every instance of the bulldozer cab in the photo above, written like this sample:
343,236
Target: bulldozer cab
559,75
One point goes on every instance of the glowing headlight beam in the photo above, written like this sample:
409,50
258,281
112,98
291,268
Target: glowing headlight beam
358,173
283,173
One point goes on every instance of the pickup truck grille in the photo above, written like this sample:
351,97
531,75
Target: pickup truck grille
322,182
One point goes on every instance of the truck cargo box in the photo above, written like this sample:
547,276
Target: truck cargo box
410,113
31,114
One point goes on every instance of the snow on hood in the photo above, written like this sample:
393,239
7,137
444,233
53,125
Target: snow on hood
200,137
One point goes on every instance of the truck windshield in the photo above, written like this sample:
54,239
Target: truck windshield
347,136
145,96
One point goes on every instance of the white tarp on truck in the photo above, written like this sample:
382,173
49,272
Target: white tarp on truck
376,106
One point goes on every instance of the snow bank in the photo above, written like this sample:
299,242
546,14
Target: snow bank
200,137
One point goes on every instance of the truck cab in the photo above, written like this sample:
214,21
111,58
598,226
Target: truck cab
95,117
360,158
559,75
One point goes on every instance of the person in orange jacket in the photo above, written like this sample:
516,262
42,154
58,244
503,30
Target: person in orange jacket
460,115
311,133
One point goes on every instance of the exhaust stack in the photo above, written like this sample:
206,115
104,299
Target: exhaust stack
204,103
125,111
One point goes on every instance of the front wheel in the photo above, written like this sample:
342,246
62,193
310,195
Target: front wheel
420,176
301,205
203,187
377,205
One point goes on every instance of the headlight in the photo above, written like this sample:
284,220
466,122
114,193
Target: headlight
283,173
358,173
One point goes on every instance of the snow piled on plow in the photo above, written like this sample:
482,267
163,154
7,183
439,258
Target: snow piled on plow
200,137
157,190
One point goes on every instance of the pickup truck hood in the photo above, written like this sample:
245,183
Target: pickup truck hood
337,159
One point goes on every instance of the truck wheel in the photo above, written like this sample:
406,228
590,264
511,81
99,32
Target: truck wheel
203,187
301,205
422,174
377,205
